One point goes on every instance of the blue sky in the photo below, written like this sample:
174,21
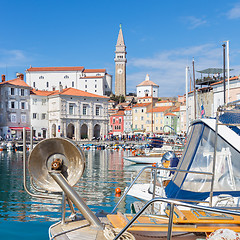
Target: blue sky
161,37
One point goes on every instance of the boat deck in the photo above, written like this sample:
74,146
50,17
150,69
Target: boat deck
77,230
183,221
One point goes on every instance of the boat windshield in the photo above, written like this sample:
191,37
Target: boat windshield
198,156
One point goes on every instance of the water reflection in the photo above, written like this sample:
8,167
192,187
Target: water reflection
105,170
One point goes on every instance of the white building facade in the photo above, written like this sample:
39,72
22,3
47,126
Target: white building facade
39,113
218,96
147,88
77,114
96,81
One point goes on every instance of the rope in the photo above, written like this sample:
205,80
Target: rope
110,233
225,234
162,237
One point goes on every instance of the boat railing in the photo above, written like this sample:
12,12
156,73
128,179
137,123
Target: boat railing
172,204
155,168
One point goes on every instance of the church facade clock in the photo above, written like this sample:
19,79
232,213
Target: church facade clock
120,65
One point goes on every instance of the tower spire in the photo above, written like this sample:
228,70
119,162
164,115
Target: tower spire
120,65
120,40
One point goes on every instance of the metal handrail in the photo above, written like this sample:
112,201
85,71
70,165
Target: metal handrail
172,204
155,168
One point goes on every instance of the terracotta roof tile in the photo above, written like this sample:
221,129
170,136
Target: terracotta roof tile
141,105
47,69
159,109
147,83
170,114
16,82
230,79
77,92
94,70
119,113
41,93
176,109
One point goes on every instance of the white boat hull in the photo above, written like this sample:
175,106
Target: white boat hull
143,159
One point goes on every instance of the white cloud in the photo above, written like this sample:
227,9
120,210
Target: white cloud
194,22
12,58
234,12
167,69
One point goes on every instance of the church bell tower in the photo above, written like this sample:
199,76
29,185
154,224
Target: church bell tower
120,65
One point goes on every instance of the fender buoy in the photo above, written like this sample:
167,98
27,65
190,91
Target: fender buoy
118,191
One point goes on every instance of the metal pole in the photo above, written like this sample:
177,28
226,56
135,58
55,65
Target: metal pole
24,145
154,187
214,161
194,85
152,109
31,138
224,75
76,199
170,221
228,70
63,208
187,98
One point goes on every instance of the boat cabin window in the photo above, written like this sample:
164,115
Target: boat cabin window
199,155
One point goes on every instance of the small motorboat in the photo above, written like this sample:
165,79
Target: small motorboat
3,146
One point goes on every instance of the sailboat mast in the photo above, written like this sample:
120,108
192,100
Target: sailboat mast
228,70
186,98
152,108
224,74
194,86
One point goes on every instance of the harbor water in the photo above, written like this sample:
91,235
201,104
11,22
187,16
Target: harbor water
25,217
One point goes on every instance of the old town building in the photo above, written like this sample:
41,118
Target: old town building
117,123
147,88
14,107
96,81
39,113
77,114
